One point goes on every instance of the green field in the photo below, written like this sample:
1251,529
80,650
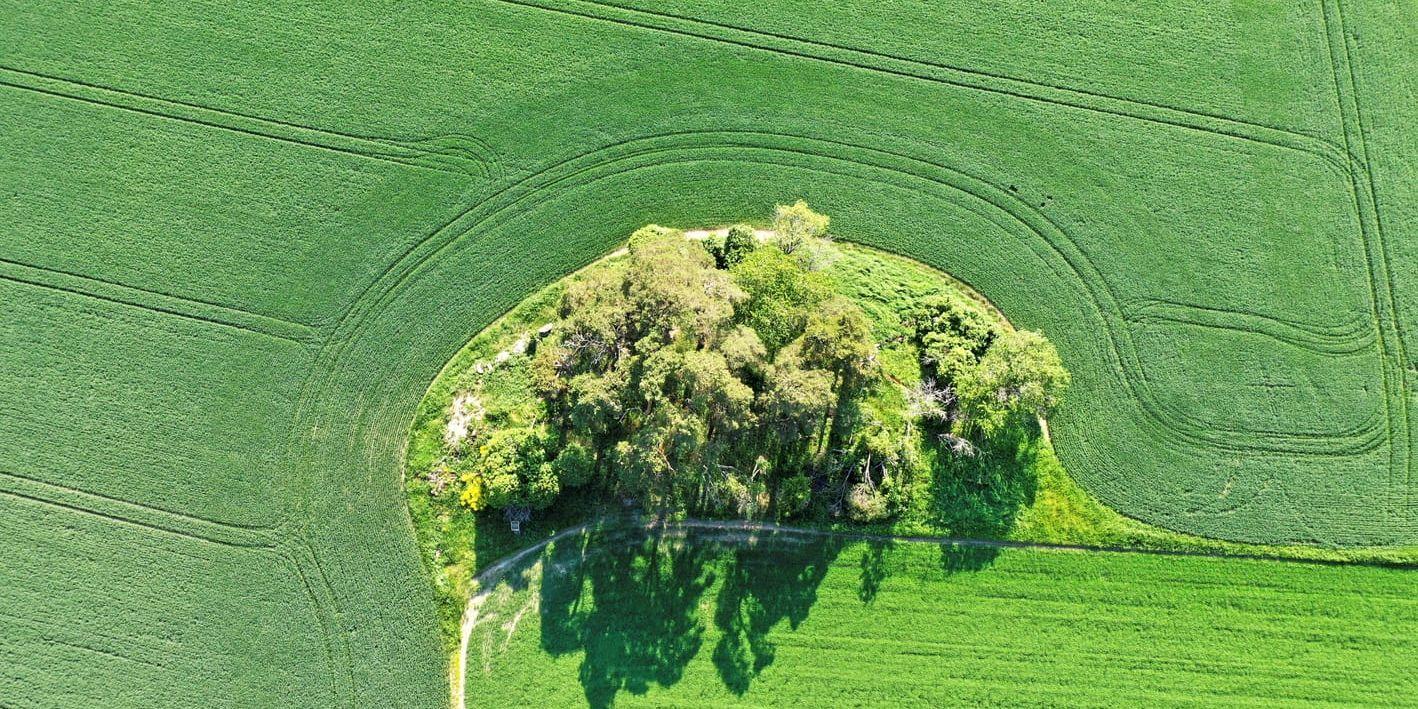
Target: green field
728,618
238,241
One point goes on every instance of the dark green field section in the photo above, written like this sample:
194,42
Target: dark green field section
729,619
238,240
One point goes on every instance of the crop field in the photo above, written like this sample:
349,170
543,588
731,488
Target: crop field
238,240
719,618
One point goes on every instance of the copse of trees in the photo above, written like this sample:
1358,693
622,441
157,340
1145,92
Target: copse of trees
730,377
991,376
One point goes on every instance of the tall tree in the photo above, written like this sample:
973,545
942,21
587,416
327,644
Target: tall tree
1020,374
794,224
781,294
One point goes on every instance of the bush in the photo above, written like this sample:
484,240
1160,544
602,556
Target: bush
865,504
474,494
574,466
793,495
509,470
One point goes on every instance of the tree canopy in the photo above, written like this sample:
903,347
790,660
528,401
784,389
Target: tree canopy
730,376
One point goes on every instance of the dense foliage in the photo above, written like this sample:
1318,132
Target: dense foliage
732,378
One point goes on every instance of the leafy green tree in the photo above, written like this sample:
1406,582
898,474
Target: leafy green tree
838,338
714,244
511,469
574,465
794,494
1020,374
744,353
953,333
781,294
597,403
674,290
794,403
715,394
794,224
738,244
731,248
660,460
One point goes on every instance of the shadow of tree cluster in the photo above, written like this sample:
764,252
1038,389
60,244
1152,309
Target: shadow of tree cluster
631,602
765,584
981,495
631,606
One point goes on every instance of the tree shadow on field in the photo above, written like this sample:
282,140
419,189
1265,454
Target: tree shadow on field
877,563
765,584
633,602
981,495
875,569
630,602
962,558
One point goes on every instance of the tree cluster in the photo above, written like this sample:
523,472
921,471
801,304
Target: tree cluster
729,377
984,376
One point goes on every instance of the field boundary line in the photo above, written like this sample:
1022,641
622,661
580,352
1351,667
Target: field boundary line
1393,355
456,154
485,581
155,301
905,67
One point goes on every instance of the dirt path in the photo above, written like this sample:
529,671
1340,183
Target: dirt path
700,235
485,582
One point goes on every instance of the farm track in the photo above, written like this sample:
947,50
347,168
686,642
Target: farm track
280,540
485,581
1393,351
935,72
64,633
1036,226
135,514
1349,338
156,301
462,155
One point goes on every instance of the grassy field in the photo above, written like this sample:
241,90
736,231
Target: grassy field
238,240
722,618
